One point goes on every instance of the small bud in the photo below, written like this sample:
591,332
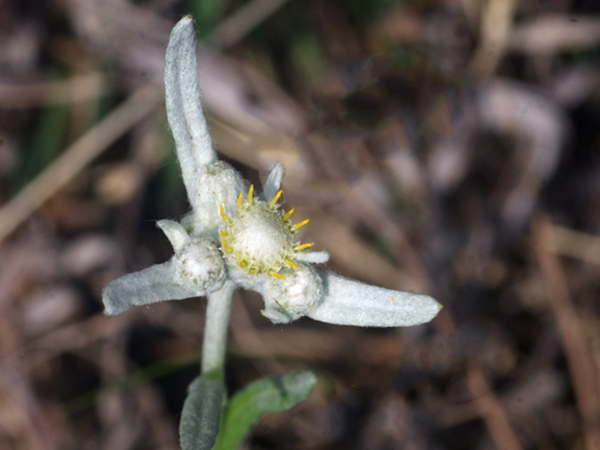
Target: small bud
293,297
199,266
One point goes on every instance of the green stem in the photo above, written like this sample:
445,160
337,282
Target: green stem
215,330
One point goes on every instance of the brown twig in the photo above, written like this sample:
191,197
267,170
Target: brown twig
245,19
577,352
74,90
76,157
492,411
496,23
573,243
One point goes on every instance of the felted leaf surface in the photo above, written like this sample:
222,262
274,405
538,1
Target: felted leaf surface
350,302
175,232
147,286
184,108
201,415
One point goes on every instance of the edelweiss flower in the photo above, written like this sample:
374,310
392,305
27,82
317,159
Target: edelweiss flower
234,237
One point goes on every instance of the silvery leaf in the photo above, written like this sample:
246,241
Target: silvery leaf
201,415
184,109
350,302
151,285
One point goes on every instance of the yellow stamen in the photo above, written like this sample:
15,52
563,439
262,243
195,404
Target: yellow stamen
303,246
250,193
275,198
240,199
223,233
292,264
288,214
226,246
252,271
301,224
243,264
223,215
276,275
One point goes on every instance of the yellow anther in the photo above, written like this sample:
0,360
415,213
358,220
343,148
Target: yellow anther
276,275
303,246
300,224
275,198
288,214
226,246
252,271
223,215
250,193
292,264
223,233
243,264
240,199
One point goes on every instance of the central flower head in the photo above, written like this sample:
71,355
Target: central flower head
260,237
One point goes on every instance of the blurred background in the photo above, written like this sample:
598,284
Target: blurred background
449,147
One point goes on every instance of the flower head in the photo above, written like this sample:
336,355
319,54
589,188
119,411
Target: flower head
261,237
234,234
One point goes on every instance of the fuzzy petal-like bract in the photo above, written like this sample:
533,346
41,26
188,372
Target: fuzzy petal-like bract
175,232
350,302
184,107
273,183
153,284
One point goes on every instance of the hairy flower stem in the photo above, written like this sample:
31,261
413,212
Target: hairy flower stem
215,331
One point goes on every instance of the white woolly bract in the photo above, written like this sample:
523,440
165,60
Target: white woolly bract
176,233
218,185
